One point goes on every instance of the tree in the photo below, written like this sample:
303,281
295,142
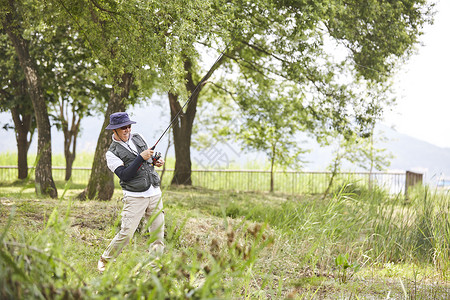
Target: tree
130,40
72,81
14,97
183,123
95,25
368,156
11,23
360,148
101,184
271,113
294,41
359,151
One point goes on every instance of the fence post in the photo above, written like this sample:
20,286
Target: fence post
411,179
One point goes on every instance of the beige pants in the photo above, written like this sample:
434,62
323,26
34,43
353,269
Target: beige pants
134,210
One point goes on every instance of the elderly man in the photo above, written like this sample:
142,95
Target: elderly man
132,161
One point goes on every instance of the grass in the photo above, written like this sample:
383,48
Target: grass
230,245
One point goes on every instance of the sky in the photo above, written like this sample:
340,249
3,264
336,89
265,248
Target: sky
422,89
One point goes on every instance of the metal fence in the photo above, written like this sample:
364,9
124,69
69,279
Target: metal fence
294,182
251,180
79,175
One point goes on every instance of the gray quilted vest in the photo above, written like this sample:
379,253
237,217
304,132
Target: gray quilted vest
146,175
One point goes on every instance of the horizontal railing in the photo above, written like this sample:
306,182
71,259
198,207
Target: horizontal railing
294,182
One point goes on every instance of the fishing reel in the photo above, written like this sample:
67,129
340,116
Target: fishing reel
155,157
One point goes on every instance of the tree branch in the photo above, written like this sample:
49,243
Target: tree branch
101,8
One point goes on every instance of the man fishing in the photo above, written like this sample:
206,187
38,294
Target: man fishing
133,162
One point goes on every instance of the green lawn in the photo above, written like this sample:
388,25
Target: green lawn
355,244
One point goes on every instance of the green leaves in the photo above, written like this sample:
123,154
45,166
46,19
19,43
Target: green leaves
344,267
378,33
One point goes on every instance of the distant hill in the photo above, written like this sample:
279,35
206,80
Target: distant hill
410,154
416,155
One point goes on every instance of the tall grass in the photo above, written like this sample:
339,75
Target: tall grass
223,244
371,226
58,262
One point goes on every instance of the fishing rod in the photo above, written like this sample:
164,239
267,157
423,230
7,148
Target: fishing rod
195,92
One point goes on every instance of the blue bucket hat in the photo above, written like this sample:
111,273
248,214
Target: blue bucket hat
119,119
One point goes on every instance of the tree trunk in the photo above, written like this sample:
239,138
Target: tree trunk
70,157
372,158
70,141
43,174
182,129
272,163
101,181
271,178
22,115
336,166
182,125
22,125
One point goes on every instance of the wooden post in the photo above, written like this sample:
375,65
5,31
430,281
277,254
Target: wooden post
411,179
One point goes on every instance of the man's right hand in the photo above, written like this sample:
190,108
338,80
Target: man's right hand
146,154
